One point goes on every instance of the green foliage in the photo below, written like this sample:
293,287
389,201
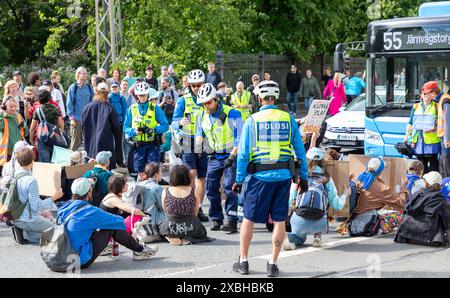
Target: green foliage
186,33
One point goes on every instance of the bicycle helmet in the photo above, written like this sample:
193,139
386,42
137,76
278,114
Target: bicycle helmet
206,93
142,88
267,88
196,76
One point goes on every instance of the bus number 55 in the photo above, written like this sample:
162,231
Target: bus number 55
392,40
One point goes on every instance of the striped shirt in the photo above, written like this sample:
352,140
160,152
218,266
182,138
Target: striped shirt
27,188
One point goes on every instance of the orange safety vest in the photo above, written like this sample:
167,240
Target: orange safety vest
5,139
441,117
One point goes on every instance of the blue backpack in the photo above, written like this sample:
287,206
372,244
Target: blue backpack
312,204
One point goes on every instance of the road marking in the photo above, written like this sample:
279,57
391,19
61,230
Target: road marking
297,252
283,254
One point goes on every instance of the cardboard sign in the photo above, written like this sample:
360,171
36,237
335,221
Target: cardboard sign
61,155
48,176
75,172
340,171
316,115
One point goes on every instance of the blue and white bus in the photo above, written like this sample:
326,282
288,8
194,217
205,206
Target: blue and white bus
403,54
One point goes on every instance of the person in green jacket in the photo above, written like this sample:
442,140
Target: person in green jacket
13,129
309,89
101,174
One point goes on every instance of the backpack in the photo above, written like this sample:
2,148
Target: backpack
364,224
97,196
312,204
48,133
56,250
9,198
75,88
144,231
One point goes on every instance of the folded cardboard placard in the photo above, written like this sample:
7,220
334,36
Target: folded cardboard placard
48,175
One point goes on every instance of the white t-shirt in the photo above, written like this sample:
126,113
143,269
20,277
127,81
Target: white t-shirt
58,98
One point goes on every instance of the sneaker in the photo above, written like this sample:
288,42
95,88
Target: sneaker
216,225
272,270
230,227
107,250
241,267
174,240
288,245
18,236
148,252
201,216
317,241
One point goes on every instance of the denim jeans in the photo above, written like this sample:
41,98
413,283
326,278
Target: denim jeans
33,229
44,152
308,102
302,227
292,97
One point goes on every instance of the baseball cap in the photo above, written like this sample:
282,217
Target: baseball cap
315,153
78,156
163,67
44,88
374,163
22,145
113,85
81,186
446,188
47,83
103,157
430,86
153,93
433,178
102,87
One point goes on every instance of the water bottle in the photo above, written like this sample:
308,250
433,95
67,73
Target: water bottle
115,249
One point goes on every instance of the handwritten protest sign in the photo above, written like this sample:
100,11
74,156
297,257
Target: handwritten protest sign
316,116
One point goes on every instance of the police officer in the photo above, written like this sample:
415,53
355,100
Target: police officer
265,162
222,126
242,100
186,122
143,122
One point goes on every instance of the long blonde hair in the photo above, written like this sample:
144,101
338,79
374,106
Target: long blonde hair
337,78
8,85
101,96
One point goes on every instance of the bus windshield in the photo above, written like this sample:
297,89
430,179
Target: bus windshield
399,79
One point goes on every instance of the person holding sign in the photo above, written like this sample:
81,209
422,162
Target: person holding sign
423,126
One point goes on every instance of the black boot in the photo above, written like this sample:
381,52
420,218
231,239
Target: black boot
230,227
202,216
216,225
18,236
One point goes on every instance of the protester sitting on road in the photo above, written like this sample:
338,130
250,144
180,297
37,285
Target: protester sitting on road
13,129
302,226
101,173
414,177
153,193
426,215
181,225
30,225
78,158
112,202
8,171
375,194
90,229
51,114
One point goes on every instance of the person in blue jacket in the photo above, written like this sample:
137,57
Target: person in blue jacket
265,162
143,122
119,103
89,228
354,86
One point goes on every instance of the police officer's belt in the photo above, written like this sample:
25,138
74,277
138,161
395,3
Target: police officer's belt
253,168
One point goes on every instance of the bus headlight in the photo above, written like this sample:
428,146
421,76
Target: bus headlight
373,137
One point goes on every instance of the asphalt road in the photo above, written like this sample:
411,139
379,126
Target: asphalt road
339,257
